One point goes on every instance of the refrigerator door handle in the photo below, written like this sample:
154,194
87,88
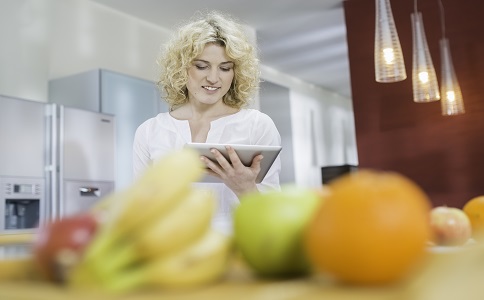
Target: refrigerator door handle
89,191
53,176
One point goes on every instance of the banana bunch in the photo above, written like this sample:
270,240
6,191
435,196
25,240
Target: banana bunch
156,233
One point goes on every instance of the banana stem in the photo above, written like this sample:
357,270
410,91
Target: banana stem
118,261
128,281
102,245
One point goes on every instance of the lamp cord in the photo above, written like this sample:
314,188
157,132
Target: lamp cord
442,15
442,18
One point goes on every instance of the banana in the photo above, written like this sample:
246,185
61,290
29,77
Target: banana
203,262
179,227
157,233
148,199
161,187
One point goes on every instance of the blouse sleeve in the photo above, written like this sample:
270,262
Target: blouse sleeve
266,133
141,154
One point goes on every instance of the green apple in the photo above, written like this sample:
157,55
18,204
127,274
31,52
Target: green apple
269,227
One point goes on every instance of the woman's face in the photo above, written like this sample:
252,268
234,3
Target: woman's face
210,75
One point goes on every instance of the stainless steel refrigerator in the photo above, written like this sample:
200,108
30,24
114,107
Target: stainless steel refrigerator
132,100
54,161
85,161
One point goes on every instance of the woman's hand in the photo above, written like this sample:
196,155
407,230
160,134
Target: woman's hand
239,178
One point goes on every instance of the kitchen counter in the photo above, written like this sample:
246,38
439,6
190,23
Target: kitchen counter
19,238
238,284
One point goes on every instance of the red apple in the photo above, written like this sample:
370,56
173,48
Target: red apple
60,244
450,226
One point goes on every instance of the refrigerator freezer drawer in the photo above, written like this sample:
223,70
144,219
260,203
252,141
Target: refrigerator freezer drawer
79,196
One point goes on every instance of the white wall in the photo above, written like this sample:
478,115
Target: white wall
87,36
24,50
45,39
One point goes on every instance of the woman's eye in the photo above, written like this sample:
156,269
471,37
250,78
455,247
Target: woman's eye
199,67
226,69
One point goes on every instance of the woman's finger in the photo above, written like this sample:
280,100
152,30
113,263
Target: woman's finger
222,161
234,158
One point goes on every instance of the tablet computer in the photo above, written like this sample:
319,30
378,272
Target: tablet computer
245,152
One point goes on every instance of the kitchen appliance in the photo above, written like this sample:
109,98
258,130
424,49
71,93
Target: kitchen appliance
86,154
132,100
23,201
54,161
23,158
330,173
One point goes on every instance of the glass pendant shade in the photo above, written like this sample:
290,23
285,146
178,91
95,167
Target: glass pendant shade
451,95
424,80
389,64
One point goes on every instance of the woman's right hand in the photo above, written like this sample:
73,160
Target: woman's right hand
239,178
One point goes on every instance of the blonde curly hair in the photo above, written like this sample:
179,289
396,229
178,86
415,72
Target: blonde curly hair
189,42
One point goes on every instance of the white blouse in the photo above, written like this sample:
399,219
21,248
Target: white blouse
159,135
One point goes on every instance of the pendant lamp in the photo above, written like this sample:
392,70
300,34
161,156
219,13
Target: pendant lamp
389,64
424,79
452,102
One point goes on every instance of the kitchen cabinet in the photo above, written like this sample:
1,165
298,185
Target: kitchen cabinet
131,100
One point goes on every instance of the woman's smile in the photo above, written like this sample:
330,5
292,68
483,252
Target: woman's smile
210,88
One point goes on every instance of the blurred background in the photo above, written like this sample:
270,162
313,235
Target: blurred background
318,79
305,89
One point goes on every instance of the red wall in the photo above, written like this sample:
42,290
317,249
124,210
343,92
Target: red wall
444,155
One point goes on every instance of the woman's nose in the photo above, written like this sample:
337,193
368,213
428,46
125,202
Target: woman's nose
212,76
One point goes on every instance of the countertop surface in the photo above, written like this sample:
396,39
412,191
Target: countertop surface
241,283
238,284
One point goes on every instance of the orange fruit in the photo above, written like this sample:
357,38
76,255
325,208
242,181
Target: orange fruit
474,209
372,228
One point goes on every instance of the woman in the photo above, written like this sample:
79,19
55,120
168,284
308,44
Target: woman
209,72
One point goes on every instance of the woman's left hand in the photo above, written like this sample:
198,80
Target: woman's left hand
239,178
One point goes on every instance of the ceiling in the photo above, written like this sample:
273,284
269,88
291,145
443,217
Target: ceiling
304,39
